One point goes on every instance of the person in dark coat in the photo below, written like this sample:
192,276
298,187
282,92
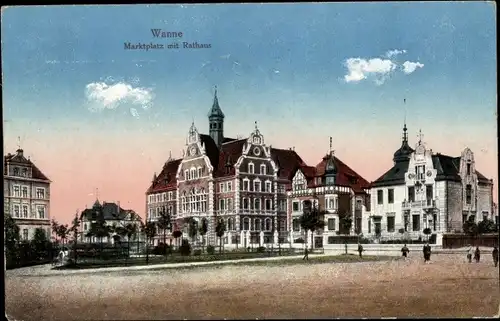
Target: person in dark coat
405,251
495,255
427,252
477,255
360,250
306,254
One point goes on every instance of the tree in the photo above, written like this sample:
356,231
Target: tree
427,231
55,228
192,229
220,229
75,226
164,223
149,229
62,231
486,226
177,234
470,227
40,242
345,224
12,238
312,219
203,230
130,231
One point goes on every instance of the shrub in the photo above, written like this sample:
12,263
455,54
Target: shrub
197,252
211,249
185,248
261,249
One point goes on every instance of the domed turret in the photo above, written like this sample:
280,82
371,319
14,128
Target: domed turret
404,152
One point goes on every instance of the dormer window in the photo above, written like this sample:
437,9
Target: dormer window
250,168
263,169
25,172
16,171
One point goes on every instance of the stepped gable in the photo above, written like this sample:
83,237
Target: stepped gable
167,180
231,151
345,175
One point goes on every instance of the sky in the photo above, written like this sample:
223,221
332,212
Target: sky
99,119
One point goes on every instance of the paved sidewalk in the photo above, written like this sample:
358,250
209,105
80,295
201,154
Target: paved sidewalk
46,270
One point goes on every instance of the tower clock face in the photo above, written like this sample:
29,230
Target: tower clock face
256,151
192,151
429,173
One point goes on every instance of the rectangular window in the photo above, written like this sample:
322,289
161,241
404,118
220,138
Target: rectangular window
41,212
25,234
17,191
416,222
380,197
369,226
245,185
200,172
390,196
164,197
221,205
245,203
420,172
257,204
186,175
193,173
390,224
229,186
40,193
468,194
169,196
221,188
268,205
429,192
250,168
268,187
411,194
25,211
256,186
434,221
25,191
296,225
229,204
16,211
468,169
331,224
295,206
263,169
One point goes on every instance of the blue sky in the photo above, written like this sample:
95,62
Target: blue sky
284,65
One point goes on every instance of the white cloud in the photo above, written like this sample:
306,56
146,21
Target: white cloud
134,112
395,52
409,66
359,69
102,95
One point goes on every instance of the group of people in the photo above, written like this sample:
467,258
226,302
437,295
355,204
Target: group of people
477,255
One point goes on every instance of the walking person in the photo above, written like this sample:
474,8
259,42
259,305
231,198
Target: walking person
477,255
306,254
360,250
469,254
427,252
495,256
405,251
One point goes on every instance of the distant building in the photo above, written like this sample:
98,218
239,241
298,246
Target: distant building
428,190
26,195
112,214
247,183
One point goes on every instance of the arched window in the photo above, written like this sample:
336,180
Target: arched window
268,224
246,224
263,169
257,224
250,168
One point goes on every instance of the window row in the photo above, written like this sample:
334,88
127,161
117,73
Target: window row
257,186
298,206
23,211
415,225
23,191
262,167
193,173
163,197
194,203
155,212
331,224
225,187
22,172
429,194
257,224
257,204
225,204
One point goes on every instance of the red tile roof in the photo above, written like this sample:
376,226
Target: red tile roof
229,155
167,180
345,175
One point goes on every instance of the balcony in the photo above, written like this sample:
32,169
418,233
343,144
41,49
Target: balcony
419,204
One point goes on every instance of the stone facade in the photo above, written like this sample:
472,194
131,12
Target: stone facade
26,195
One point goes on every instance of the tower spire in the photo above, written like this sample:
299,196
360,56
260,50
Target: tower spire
405,134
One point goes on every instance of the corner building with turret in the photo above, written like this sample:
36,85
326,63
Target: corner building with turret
257,190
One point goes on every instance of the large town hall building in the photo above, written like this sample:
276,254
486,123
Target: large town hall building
258,190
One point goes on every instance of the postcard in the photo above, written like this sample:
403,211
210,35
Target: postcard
250,161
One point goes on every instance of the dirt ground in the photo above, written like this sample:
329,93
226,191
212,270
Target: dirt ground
447,287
